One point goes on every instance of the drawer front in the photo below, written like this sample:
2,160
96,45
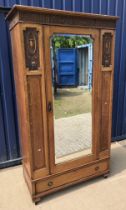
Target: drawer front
71,176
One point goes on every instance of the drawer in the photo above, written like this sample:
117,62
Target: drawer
71,176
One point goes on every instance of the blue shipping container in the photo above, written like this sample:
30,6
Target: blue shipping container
9,141
67,67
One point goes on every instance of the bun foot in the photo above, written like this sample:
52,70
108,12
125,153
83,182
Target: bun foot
36,200
106,175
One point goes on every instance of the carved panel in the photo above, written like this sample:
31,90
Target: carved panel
63,19
31,48
107,49
36,121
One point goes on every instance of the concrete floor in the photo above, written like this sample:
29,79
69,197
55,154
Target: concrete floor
97,194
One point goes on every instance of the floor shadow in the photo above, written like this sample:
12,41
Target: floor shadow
118,159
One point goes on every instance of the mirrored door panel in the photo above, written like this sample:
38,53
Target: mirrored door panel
72,76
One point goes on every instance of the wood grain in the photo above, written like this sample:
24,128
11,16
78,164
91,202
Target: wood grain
36,120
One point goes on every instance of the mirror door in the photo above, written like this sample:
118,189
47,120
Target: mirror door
72,85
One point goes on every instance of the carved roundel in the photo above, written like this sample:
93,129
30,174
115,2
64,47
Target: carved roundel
31,48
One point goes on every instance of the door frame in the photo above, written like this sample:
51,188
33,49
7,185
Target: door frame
78,162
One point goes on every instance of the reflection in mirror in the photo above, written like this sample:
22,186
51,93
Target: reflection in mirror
71,60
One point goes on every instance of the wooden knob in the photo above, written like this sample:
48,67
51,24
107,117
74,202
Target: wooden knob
50,183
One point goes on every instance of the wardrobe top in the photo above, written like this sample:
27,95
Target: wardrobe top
60,17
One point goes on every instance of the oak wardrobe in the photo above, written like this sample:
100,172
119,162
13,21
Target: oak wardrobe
63,69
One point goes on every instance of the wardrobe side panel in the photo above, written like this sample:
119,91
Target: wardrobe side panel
107,70
34,81
27,45
20,96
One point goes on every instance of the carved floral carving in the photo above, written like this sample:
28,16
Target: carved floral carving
31,48
56,19
107,49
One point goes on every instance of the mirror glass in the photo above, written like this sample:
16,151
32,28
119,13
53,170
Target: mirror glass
71,61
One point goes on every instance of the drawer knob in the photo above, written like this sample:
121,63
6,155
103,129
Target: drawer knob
50,183
96,168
